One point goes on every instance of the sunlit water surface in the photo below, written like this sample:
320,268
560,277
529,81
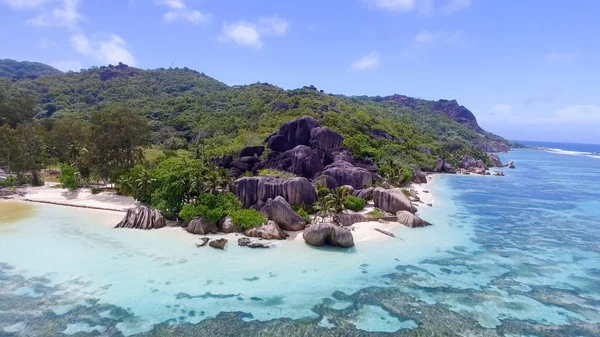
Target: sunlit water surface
507,256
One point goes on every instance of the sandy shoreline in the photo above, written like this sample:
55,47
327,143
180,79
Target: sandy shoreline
111,202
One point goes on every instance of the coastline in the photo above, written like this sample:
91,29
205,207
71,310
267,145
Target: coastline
111,202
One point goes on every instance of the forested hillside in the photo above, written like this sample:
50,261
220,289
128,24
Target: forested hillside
189,110
17,70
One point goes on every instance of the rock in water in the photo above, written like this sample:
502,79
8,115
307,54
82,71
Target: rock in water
227,226
392,200
219,243
204,242
246,242
282,213
142,217
410,220
349,218
495,160
201,226
326,233
268,231
511,164
385,232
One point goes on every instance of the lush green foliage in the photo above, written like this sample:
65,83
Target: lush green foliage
304,214
332,202
210,206
10,181
247,218
96,190
68,177
355,204
406,192
276,173
396,174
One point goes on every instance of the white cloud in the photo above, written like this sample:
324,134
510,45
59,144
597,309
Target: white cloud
242,33
426,40
65,15
560,57
273,26
179,11
367,62
456,5
400,6
503,108
67,65
111,50
577,113
24,4
249,34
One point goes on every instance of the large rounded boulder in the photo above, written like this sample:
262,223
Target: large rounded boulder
345,173
251,190
142,217
410,220
269,231
349,218
201,226
282,213
392,200
325,139
326,233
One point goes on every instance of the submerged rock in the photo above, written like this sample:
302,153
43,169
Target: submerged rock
142,217
327,233
204,242
246,242
218,244
201,226
282,213
392,200
385,232
410,220
348,218
269,231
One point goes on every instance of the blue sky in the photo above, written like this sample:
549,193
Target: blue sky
528,69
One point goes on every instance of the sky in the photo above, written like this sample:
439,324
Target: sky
528,69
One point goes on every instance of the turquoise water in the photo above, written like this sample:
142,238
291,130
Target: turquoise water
507,256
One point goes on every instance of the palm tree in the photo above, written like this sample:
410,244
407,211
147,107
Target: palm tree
144,187
124,185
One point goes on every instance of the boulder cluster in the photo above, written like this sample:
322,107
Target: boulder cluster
469,165
142,217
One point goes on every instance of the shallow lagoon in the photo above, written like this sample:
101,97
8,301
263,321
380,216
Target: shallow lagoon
513,255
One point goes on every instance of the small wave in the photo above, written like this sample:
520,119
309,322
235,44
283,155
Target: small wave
567,152
593,156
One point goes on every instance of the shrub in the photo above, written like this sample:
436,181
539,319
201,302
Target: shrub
247,218
68,177
376,213
301,212
96,190
11,180
211,207
406,192
355,203
276,173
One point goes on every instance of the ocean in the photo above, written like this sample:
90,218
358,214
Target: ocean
506,256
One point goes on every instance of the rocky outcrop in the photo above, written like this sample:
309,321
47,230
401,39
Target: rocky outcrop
365,193
495,160
326,233
410,220
252,151
443,167
301,161
418,177
326,181
473,165
201,226
282,213
325,139
511,165
392,200
218,243
345,173
251,190
349,218
268,231
204,242
292,134
458,113
226,226
142,217
382,135
246,242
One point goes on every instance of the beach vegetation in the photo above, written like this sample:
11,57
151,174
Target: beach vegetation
247,218
68,177
375,213
276,173
355,204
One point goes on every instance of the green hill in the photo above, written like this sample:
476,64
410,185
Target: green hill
25,69
189,110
